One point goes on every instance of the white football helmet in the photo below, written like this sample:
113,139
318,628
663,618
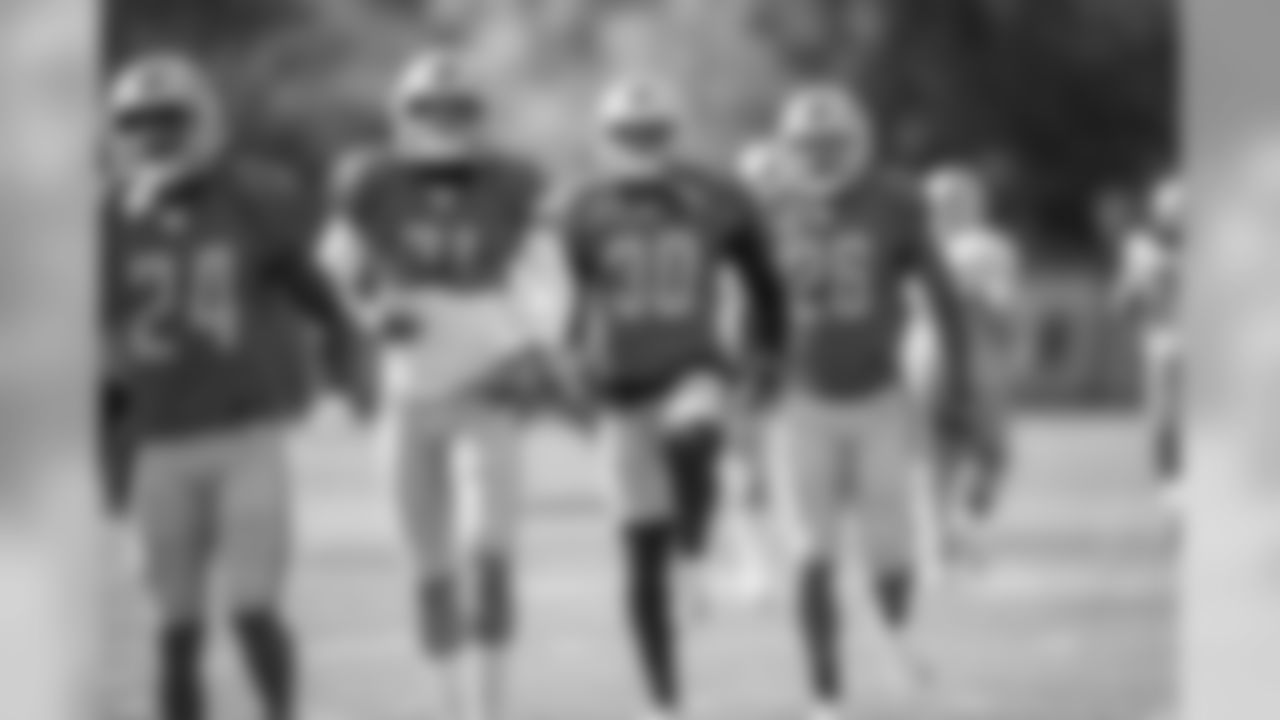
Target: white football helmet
828,132
639,124
163,118
437,110
956,199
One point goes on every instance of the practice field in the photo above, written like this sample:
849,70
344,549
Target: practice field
1072,621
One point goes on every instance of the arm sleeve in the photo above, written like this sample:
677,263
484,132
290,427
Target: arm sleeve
761,283
292,223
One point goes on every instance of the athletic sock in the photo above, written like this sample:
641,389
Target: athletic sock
180,687
896,593
1168,452
439,616
495,614
693,457
268,650
649,607
820,629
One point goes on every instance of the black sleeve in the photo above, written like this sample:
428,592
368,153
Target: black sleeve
582,270
750,253
291,213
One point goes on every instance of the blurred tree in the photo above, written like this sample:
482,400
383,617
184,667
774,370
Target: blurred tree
1073,95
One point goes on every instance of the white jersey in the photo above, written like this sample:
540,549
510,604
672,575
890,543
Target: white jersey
463,336
987,271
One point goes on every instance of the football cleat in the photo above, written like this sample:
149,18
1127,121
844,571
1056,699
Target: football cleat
828,133
162,115
639,124
437,111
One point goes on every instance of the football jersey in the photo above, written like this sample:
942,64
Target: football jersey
649,258
846,260
985,268
438,245
200,313
1151,277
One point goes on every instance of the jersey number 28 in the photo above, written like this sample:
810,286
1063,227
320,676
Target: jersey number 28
192,294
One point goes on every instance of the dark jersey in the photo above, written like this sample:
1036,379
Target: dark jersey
446,226
206,291
648,258
847,261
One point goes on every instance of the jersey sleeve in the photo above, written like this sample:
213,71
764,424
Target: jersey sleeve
750,253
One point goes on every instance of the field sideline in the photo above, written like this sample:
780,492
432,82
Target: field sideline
1072,623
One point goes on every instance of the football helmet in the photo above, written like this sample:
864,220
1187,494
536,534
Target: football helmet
827,132
639,125
437,111
955,198
163,117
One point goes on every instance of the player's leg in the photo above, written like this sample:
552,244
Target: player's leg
424,465
753,545
692,455
1164,404
177,532
888,519
816,465
255,531
491,463
649,550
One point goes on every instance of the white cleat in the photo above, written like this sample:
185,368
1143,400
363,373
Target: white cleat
1172,497
905,677
825,711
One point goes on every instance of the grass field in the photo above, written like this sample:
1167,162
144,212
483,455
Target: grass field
1073,621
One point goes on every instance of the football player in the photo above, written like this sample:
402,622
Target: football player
1149,287
986,267
207,274
648,241
851,241
434,235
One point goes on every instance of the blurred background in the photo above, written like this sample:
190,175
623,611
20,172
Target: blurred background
1068,107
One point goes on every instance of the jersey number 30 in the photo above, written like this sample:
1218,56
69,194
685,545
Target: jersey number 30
189,294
